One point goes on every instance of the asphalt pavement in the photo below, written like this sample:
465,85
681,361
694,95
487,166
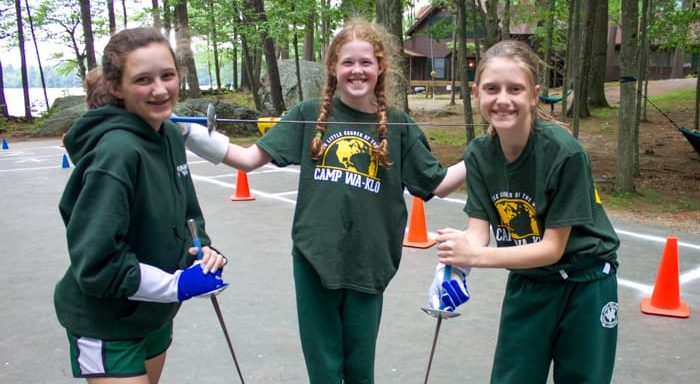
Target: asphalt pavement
259,306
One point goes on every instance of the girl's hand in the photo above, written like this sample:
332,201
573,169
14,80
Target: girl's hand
211,260
453,248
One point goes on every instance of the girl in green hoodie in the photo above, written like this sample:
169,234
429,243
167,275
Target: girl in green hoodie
125,208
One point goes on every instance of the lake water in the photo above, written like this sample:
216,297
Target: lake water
15,99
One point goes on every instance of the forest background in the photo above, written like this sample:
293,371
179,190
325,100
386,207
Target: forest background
231,45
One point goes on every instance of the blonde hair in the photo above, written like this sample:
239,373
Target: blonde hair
523,56
385,53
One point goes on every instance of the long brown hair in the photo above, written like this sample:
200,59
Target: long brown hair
358,29
115,52
522,55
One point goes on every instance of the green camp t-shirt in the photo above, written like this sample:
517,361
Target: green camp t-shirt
549,185
350,213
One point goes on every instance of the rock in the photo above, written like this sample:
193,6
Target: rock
224,110
312,81
61,118
66,110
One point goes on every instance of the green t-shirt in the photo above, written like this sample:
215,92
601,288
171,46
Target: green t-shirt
350,213
550,185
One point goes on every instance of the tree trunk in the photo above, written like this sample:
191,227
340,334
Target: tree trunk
3,102
249,77
86,18
23,61
215,46
610,55
189,83
599,56
295,43
624,181
268,46
641,75
453,62
492,28
38,56
309,36
476,12
463,72
112,17
584,66
505,21
125,14
389,14
549,31
167,18
697,96
155,10
283,43
325,30
234,60
569,59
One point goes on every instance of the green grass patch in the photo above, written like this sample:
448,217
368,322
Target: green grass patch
446,136
648,197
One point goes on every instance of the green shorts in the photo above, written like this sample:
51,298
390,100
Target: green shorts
116,358
570,324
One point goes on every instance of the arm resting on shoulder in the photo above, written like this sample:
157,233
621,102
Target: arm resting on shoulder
455,177
246,159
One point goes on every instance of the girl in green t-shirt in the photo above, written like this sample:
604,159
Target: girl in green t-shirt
357,155
530,185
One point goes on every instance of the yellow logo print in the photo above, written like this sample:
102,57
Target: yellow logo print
518,216
352,154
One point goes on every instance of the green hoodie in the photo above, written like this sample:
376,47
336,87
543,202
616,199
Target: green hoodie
126,202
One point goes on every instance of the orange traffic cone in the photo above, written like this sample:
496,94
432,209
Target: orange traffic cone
666,298
242,191
417,236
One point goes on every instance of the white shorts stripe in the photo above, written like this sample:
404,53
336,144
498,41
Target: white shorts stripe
90,356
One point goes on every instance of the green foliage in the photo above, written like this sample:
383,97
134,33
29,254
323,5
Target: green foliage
675,27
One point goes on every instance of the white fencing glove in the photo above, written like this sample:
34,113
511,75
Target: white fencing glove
449,288
159,286
211,148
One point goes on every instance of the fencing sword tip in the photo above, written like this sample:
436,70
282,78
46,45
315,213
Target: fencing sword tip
439,313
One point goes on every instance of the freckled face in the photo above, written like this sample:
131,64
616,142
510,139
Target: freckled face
506,97
149,84
357,71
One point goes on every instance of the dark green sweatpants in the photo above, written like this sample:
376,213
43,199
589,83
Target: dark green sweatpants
572,324
338,329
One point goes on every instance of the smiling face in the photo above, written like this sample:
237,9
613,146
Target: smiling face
507,97
356,71
149,83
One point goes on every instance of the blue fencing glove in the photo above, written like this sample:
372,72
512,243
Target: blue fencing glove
194,282
449,288
161,287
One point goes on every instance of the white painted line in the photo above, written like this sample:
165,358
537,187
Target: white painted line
28,169
690,276
231,186
640,287
287,193
657,239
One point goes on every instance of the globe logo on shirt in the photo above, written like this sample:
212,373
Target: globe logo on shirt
352,154
518,216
